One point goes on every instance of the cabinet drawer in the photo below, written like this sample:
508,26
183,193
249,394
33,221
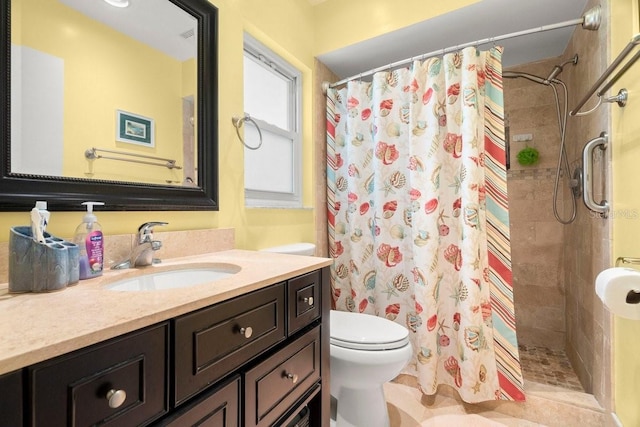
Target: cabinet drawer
274,385
73,390
212,342
220,408
304,300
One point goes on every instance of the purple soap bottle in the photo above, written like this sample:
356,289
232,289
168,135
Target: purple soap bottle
89,239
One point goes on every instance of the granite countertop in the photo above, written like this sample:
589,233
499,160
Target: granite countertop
38,326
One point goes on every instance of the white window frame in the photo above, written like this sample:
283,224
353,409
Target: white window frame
271,61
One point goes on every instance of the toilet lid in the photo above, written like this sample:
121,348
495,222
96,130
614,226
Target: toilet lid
366,332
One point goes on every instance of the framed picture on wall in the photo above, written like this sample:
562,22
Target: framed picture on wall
134,129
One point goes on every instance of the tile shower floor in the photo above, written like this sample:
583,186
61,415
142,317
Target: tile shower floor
546,366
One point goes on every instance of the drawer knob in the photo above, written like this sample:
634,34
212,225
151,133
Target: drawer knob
308,300
116,398
292,377
247,332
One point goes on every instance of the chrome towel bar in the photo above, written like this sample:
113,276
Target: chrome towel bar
621,98
92,154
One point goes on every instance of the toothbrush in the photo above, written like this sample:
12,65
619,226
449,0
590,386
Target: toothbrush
36,226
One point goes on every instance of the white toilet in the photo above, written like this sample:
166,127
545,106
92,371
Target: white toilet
366,352
302,248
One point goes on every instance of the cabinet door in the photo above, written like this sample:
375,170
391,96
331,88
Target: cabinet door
219,408
304,300
11,399
211,343
276,384
121,382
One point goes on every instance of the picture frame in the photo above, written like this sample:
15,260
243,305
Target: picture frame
135,129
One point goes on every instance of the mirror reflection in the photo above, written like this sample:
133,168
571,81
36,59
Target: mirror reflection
104,92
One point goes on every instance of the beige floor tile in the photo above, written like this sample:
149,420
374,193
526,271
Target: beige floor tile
547,405
470,420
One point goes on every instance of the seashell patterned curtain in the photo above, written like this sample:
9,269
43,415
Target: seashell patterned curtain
418,217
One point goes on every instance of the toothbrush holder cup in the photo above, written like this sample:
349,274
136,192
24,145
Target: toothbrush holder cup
40,267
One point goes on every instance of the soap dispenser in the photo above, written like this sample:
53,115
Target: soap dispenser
89,239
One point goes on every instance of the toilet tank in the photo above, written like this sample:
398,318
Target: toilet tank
293,249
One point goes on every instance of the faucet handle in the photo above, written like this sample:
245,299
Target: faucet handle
145,231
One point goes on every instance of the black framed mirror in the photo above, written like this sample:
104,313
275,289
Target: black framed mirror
19,188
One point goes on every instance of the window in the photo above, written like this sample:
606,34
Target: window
272,97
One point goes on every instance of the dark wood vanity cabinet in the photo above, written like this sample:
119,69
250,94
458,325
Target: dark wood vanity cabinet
212,342
272,337
219,407
11,398
256,360
122,382
277,383
305,303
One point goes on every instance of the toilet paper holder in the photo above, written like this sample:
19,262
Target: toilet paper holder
633,297
627,260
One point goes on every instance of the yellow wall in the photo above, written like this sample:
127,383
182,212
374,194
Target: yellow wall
297,31
341,23
189,76
625,143
258,228
16,22
255,228
105,70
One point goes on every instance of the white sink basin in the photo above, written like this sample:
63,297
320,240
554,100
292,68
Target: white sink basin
181,277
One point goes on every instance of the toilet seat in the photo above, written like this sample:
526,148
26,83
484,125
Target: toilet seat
359,331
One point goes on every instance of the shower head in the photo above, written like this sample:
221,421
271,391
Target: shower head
558,69
554,73
591,18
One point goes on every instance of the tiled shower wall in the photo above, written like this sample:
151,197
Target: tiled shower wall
588,239
536,237
555,265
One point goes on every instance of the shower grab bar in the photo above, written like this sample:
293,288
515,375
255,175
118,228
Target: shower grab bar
91,154
621,98
587,176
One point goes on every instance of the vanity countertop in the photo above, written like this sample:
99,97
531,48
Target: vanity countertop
38,326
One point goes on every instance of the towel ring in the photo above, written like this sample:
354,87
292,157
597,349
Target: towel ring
237,123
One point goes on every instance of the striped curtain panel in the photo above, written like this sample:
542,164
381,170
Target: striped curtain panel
418,217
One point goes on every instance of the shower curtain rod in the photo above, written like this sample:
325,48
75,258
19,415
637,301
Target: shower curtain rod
439,52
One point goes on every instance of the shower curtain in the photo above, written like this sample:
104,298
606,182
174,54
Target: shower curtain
418,220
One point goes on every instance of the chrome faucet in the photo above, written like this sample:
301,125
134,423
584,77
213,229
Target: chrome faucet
142,254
